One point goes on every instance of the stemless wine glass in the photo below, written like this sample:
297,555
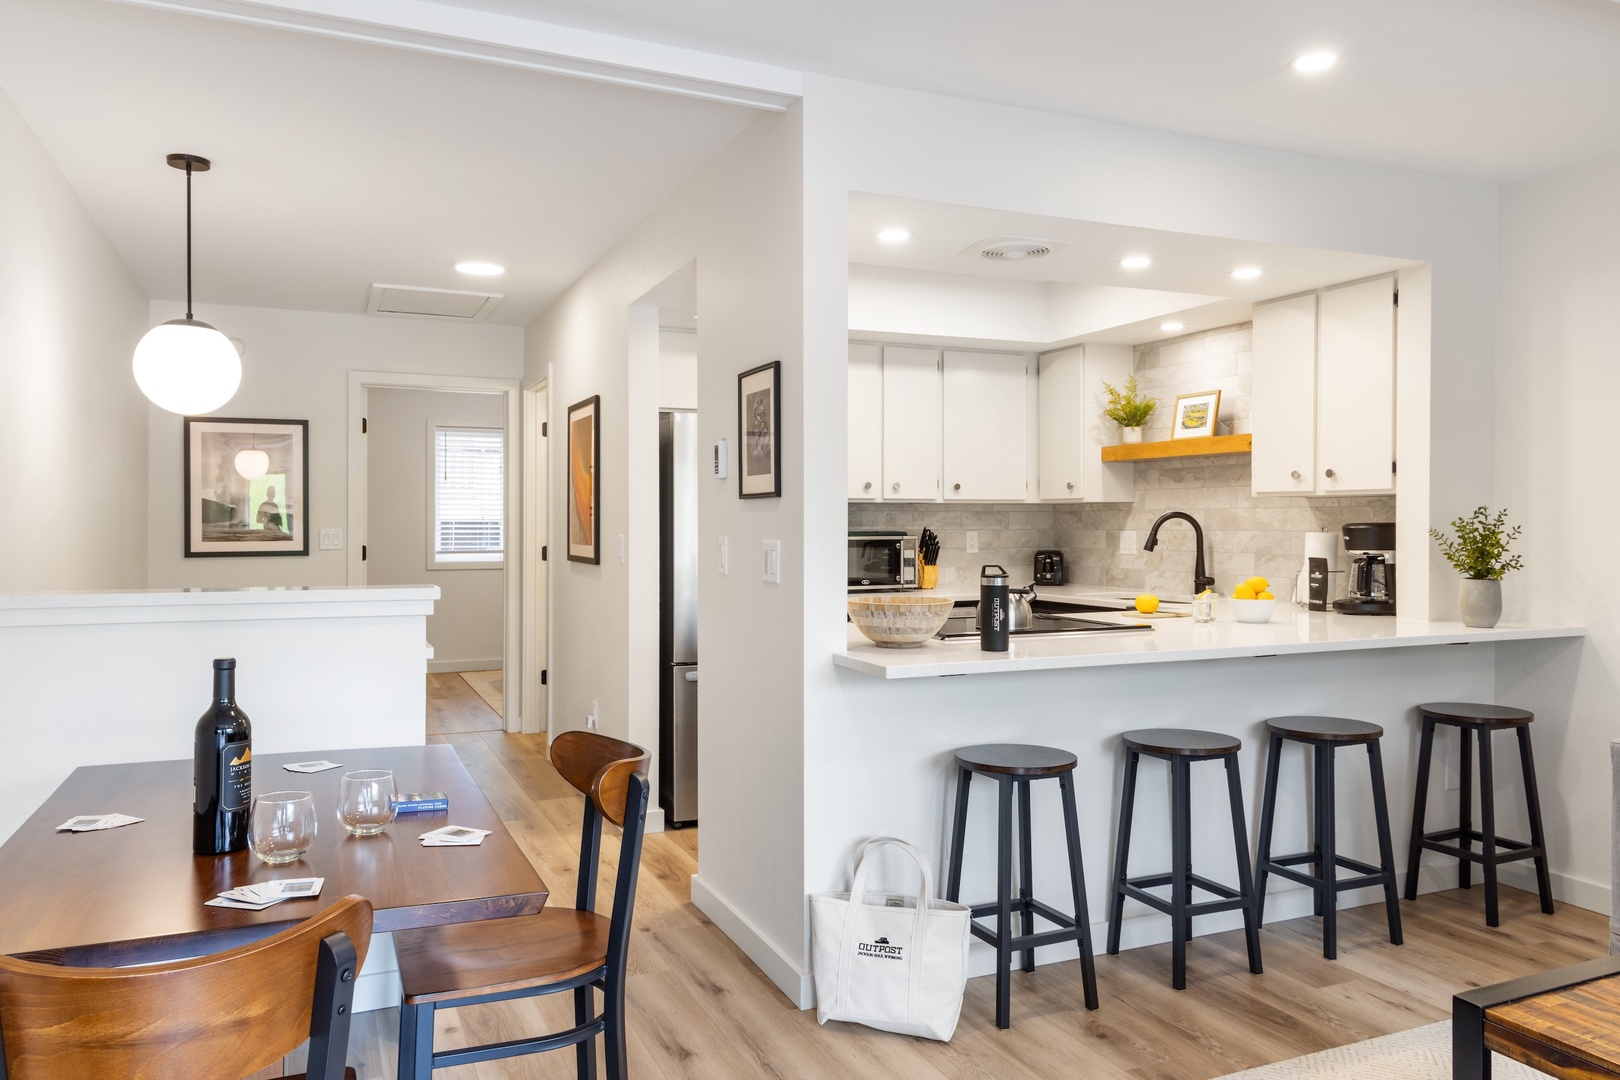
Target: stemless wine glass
366,803
283,826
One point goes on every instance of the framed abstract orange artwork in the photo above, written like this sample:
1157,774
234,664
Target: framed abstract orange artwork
584,498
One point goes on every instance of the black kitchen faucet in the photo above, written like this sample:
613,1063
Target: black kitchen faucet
1201,580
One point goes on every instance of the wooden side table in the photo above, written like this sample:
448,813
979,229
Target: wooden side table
1565,1023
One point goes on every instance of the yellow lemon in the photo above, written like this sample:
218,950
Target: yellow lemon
1265,596
1243,592
1147,603
1258,584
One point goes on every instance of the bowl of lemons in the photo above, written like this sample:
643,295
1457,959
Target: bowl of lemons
1252,601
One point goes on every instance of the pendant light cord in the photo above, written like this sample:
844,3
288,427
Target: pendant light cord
188,242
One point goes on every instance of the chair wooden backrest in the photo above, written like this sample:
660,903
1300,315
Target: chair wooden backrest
612,775
222,1016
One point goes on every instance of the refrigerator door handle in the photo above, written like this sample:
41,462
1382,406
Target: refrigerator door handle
691,676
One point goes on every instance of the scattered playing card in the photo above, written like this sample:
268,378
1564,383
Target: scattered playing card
312,766
93,822
454,836
242,905
262,894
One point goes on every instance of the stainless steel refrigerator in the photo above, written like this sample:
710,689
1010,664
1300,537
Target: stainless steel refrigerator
678,472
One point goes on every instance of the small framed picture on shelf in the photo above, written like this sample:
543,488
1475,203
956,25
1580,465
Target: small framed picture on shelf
1196,415
247,487
584,497
759,431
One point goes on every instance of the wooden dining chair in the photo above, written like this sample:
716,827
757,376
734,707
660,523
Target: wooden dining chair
219,1017
445,967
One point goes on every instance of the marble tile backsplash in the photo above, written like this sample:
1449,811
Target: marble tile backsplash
1244,535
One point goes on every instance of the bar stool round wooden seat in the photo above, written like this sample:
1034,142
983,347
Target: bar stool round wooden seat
1484,721
1181,747
1325,735
1013,765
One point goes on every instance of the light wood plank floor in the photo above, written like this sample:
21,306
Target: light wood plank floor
699,1010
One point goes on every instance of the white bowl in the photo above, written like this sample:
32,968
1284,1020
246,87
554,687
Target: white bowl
899,621
1253,611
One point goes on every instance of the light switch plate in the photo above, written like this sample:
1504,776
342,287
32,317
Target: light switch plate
621,549
772,565
725,560
331,539
1128,543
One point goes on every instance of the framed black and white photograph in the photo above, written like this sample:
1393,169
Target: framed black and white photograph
759,431
584,498
247,487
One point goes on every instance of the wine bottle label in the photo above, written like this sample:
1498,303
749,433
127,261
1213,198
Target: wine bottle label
235,776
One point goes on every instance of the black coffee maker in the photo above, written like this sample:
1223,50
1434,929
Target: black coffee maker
1371,547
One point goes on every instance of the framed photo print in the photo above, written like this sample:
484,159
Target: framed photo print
247,487
759,431
1196,415
584,498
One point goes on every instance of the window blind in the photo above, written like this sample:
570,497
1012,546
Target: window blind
469,494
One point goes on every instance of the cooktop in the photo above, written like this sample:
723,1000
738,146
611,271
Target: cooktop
965,627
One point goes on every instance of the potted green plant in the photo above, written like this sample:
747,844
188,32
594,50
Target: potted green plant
1480,555
1129,409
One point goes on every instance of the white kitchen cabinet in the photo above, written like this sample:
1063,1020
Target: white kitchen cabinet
865,421
986,426
1073,430
912,405
1324,392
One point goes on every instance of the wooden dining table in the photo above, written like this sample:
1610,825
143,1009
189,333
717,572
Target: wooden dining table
136,894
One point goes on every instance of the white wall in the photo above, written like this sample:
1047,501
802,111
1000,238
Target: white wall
1557,375
295,367
72,422
465,627
677,369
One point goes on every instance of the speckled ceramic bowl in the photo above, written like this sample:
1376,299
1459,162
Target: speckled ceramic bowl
899,621
1252,611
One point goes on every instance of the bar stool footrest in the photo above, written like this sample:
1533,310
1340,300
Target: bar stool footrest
1030,941
1230,898
1282,866
1507,850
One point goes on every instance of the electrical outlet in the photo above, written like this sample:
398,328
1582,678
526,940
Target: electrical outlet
725,559
331,539
591,718
772,566
973,542
1128,543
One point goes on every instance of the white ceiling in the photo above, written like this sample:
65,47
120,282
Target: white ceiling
1493,89
338,165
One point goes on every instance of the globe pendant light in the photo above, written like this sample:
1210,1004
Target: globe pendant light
183,365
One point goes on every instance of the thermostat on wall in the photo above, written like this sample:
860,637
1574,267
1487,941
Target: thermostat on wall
722,458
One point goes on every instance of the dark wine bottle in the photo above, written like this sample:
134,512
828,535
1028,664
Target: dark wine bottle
222,770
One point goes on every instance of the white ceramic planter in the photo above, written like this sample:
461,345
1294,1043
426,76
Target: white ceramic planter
1130,434
1480,601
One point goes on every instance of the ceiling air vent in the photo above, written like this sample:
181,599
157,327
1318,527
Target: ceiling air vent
415,302
1013,248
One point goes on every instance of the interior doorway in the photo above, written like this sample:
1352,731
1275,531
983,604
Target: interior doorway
536,558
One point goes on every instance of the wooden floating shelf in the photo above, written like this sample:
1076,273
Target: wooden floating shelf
1174,448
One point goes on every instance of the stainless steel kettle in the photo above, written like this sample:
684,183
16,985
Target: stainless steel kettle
1020,613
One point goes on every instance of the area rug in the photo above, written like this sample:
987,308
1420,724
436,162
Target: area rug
1420,1054
487,685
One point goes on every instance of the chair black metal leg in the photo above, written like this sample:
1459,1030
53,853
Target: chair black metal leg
615,1059
1268,810
1077,875
1386,850
1327,831
415,1042
1465,814
1122,849
1180,866
1317,821
1004,934
1487,825
1420,803
1026,869
1538,836
953,873
1240,838
585,1052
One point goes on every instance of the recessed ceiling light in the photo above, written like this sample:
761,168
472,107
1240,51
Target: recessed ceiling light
894,236
480,268
1172,326
1136,262
1314,63
1246,273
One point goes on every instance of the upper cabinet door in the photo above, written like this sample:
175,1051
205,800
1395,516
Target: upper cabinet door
986,426
1062,425
1283,402
911,423
1355,439
865,421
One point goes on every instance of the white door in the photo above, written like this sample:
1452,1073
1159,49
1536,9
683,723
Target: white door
1283,401
1355,385
986,427
911,423
865,421
1062,424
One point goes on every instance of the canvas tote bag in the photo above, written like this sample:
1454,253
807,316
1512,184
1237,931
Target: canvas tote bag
889,961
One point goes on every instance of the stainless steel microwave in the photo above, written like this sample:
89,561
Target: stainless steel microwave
882,560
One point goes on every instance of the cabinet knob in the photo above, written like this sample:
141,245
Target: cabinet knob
897,485
956,487
867,486
1293,476
1071,485
1330,474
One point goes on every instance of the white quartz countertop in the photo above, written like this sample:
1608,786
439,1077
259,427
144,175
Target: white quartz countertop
168,605
1291,630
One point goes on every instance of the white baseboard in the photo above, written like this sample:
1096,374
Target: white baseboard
444,667
655,819
378,986
780,968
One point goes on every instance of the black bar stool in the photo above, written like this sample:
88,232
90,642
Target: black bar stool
1494,850
1015,766
1325,734
1181,747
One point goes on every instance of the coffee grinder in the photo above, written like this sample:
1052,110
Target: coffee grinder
1371,547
